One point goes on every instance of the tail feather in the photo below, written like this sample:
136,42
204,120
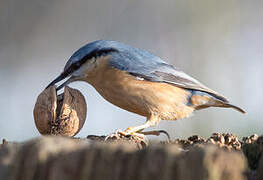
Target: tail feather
203,100
227,105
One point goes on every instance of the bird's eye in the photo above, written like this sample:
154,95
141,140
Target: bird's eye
77,65
97,54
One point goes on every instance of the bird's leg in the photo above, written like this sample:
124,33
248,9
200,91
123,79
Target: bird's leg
136,131
151,121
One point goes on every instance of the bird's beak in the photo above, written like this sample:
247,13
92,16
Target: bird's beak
60,78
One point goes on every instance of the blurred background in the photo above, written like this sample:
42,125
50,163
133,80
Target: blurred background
217,42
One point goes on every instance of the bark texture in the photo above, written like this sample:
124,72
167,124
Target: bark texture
52,158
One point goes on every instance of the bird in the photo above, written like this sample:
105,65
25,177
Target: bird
140,82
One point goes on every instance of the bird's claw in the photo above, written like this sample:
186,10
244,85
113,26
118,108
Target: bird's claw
135,135
116,135
164,132
124,134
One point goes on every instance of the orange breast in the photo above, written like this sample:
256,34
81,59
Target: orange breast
140,96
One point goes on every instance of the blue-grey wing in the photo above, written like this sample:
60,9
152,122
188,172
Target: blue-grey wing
138,63
145,65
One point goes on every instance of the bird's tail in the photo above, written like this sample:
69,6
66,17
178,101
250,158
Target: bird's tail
227,105
203,100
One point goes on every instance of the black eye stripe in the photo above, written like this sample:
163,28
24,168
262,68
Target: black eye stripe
101,52
95,54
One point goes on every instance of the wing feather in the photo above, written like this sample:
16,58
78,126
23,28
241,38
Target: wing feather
143,64
178,78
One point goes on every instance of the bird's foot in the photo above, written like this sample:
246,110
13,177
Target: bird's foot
119,134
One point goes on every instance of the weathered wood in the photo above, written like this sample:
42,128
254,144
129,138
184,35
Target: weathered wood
53,158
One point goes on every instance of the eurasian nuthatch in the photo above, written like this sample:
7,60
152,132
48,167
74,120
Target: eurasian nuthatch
140,82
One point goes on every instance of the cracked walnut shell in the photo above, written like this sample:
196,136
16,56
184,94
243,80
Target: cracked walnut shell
63,114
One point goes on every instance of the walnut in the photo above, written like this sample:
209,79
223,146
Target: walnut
63,114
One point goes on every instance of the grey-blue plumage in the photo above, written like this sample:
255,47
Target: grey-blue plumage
138,62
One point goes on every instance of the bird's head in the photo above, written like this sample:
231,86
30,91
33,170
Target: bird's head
84,61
